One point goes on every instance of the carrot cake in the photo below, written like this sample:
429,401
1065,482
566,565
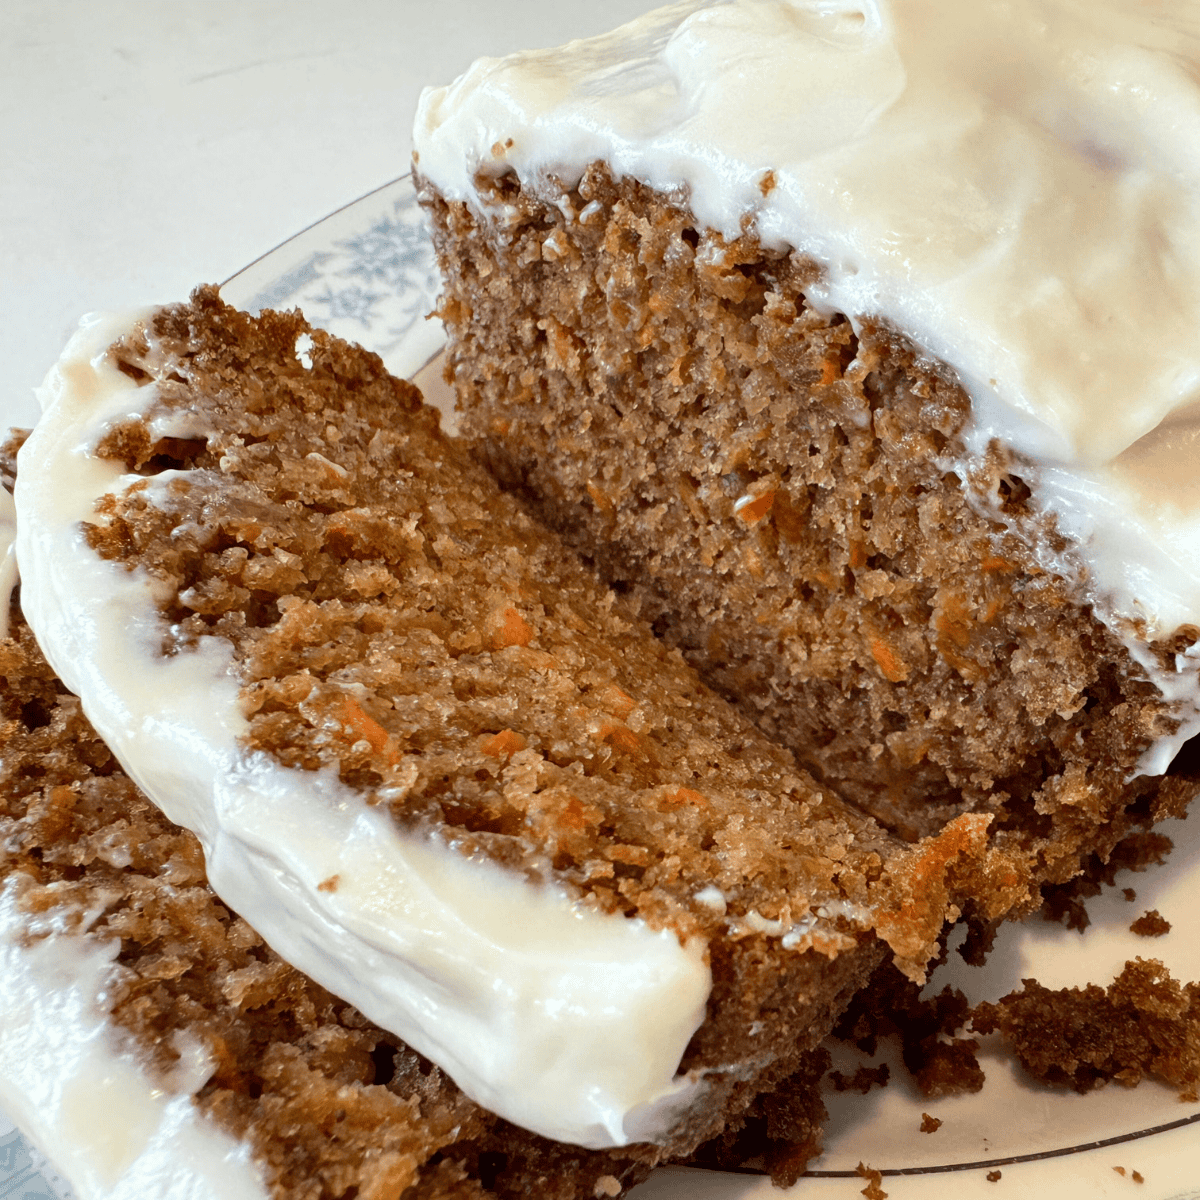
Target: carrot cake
155,1047
855,344
433,762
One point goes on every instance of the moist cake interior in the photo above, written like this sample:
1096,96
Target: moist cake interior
895,611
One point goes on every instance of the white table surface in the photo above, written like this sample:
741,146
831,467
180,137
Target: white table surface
147,147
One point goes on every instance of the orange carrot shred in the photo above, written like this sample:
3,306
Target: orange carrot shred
617,701
601,501
513,630
621,737
889,662
367,728
575,816
757,508
504,744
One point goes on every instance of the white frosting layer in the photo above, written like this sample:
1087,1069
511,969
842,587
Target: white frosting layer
561,1019
1013,183
72,1085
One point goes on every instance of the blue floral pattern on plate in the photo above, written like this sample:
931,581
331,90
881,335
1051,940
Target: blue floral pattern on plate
366,273
24,1173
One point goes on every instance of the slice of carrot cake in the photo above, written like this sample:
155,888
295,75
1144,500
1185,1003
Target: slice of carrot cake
856,344
154,1046
440,768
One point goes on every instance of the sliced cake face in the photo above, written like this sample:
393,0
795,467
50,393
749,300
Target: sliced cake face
901,489
885,603
431,759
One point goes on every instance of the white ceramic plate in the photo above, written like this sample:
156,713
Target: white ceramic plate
366,273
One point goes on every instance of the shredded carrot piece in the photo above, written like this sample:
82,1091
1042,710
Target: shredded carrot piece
889,661
829,371
638,856
617,701
368,729
577,815
994,563
504,744
858,554
602,502
513,630
954,622
330,884
757,508
688,796
621,737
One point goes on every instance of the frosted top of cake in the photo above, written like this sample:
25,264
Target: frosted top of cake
1013,183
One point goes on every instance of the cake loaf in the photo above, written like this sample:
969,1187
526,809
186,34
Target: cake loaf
431,760
872,387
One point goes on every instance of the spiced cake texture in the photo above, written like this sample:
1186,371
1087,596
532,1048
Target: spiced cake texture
331,1105
1145,1023
397,618
899,616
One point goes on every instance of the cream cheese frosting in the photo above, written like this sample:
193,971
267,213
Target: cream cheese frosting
561,1019
66,1075
1015,184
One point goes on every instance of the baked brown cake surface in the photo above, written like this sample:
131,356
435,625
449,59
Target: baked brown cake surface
396,617
901,618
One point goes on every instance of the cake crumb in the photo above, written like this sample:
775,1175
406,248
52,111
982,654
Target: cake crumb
607,1185
330,884
1151,924
930,1124
1137,1177
1063,903
1143,1023
874,1178
863,1080
993,1177
940,1063
1119,1170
